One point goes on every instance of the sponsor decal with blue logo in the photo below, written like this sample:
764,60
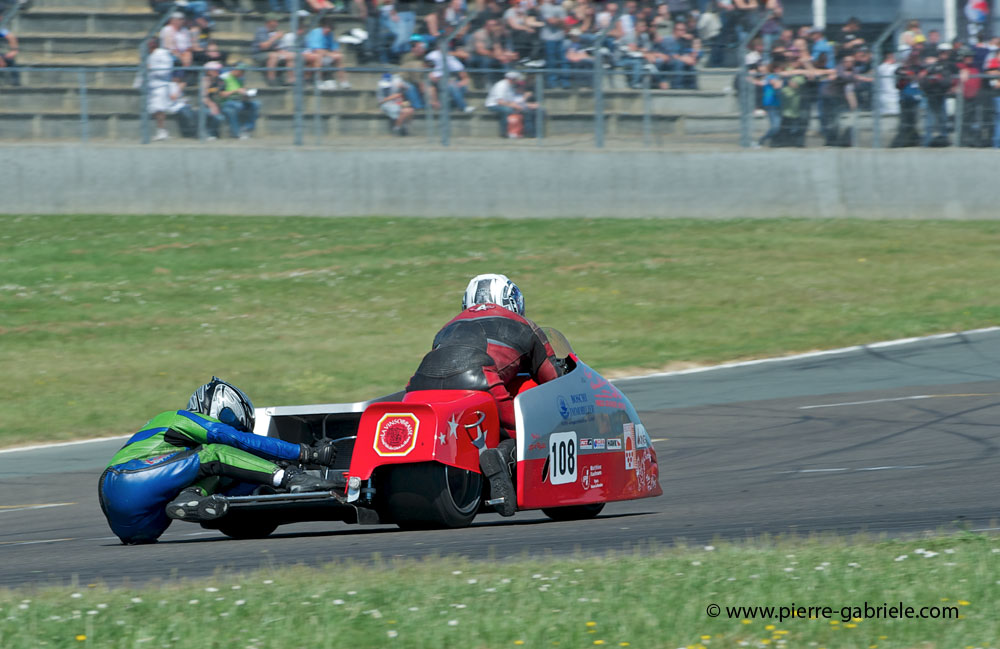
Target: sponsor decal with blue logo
577,406
599,444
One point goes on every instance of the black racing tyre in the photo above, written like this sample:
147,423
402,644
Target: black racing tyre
430,495
245,527
573,512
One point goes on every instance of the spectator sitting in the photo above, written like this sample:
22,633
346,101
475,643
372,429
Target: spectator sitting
412,66
509,101
578,57
179,108
266,49
490,51
322,50
238,103
210,53
212,86
8,59
458,80
391,96
684,54
176,39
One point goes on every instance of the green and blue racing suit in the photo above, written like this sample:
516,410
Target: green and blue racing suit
175,450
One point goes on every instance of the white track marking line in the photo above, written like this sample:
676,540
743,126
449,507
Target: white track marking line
693,370
9,543
36,447
20,508
864,468
910,398
795,357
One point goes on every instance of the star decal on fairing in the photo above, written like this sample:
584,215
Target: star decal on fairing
442,439
453,427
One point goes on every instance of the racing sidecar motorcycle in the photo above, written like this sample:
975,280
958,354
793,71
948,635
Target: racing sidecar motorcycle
413,459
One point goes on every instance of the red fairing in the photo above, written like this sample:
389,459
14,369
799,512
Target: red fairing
446,426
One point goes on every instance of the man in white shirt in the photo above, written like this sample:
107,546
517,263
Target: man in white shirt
507,97
176,38
458,80
160,66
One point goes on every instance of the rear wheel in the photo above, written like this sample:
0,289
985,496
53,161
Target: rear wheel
573,512
432,495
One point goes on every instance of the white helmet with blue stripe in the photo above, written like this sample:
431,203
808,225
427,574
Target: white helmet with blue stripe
225,402
492,288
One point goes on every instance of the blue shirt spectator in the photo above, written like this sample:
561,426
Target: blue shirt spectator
321,38
820,46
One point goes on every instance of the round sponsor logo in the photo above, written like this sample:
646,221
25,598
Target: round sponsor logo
396,434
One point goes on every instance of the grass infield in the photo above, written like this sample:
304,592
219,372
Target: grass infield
106,320
656,598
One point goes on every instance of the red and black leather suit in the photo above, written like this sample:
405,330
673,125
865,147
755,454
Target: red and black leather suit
484,348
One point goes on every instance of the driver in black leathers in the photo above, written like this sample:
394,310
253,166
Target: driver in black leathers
484,348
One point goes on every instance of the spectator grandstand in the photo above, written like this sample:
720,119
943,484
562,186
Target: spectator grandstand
673,67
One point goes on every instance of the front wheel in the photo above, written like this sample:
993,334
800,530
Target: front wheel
432,495
573,512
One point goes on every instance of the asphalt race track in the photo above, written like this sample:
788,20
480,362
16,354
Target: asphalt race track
894,438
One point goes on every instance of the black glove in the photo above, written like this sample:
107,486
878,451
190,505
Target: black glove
324,454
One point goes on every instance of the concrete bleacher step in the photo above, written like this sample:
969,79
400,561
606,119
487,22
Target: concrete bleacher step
63,124
113,92
88,21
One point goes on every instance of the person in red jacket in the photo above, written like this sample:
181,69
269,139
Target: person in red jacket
484,348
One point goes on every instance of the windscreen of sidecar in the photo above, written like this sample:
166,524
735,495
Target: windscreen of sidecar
560,346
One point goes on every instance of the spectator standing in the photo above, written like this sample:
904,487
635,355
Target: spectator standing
369,12
212,87
160,67
238,103
993,87
391,97
793,127
911,36
771,30
523,29
266,49
910,98
176,39
823,54
771,102
977,105
8,59
936,82
553,35
509,101
322,50
888,100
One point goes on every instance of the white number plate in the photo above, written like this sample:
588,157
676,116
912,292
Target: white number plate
563,457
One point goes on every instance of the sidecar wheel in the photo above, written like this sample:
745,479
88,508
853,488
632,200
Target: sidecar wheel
244,527
430,495
573,512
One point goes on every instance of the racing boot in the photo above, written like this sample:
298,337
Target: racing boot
497,465
194,506
298,481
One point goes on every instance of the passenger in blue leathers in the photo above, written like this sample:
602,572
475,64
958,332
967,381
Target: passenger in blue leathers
174,467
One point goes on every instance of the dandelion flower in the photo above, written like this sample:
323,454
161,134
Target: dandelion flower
851,625
769,627
81,638
519,642
591,623
746,621
963,602
598,641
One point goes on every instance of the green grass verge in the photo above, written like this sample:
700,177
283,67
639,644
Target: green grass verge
656,599
105,320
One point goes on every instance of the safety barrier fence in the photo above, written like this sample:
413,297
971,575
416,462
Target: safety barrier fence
624,104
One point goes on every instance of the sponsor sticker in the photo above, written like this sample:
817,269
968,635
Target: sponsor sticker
586,444
599,444
397,434
614,444
628,432
577,405
591,478
641,438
